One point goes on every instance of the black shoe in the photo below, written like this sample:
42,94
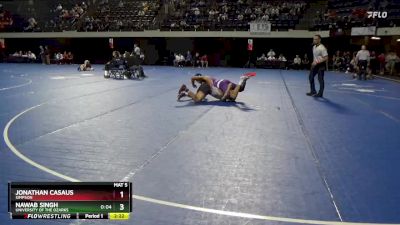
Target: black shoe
181,95
183,89
319,95
311,93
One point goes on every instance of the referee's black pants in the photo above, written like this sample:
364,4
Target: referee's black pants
363,66
317,69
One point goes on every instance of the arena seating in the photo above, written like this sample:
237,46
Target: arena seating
233,15
353,13
190,15
6,21
130,16
122,15
67,17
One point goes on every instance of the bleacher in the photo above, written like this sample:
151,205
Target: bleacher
353,13
193,15
68,17
6,20
133,16
185,18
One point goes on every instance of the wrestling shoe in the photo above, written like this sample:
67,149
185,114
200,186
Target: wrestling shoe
250,74
183,89
181,95
243,79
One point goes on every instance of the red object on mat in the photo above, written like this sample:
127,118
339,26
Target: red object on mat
250,74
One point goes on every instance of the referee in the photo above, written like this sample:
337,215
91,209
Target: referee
362,61
318,67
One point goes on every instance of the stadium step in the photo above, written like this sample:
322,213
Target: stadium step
308,19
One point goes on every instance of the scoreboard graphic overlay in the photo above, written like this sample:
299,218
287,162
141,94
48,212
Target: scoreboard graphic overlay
59,200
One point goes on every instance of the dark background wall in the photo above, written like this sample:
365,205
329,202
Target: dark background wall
221,51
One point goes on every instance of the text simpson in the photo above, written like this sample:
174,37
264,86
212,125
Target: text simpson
44,192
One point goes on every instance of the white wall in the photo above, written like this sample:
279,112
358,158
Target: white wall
388,31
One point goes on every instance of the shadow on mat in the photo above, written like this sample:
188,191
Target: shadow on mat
335,106
240,105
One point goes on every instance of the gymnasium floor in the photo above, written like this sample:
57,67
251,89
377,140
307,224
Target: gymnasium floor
276,156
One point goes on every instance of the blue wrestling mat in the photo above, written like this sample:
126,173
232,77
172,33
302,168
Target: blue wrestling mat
275,156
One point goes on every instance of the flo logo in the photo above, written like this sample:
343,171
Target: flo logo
379,15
